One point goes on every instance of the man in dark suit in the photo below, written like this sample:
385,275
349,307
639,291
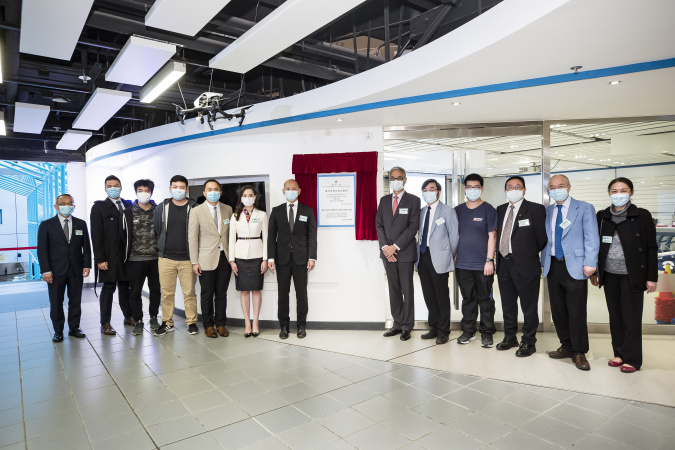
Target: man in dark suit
521,235
291,250
65,259
397,222
107,238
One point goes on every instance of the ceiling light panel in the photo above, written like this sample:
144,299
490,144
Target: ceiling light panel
176,16
29,118
73,139
139,60
52,28
102,105
162,81
286,25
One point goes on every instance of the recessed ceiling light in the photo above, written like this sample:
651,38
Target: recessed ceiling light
339,120
455,104
615,82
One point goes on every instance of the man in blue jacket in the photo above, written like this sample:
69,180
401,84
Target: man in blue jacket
569,259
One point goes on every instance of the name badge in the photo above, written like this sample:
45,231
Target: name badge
137,220
440,221
607,239
302,218
565,224
79,233
403,210
524,223
226,221
255,221
477,219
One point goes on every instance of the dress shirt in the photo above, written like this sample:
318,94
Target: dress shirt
516,208
432,209
565,208
218,218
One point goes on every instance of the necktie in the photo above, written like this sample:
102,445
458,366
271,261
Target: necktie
425,232
119,206
506,234
395,204
66,230
559,252
291,218
215,216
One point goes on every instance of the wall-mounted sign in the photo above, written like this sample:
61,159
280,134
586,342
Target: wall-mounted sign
336,200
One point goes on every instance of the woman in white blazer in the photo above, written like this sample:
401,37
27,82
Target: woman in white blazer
248,255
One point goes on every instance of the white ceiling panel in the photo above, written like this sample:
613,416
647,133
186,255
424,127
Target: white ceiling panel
139,60
73,139
286,25
102,105
178,17
30,118
51,28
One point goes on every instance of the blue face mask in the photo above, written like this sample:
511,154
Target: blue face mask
66,210
472,194
213,196
113,192
178,194
291,196
558,194
619,200
429,196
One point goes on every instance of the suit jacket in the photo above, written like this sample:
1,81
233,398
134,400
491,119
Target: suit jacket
58,256
399,228
204,240
443,237
256,228
107,238
580,239
527,240
302,240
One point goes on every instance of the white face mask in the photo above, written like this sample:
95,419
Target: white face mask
514,195
248,201
396,185
143,197
472,194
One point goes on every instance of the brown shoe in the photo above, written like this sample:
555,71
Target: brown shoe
129,321
581,362
223,332
561,353
210,332
108,330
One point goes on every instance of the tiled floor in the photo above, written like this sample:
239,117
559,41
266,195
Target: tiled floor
330,390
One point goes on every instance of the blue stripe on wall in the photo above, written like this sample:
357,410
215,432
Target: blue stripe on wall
532,82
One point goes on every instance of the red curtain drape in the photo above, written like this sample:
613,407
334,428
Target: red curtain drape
306,168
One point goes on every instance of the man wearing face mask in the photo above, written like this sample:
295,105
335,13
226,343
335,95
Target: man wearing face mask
397,221
208,234
291,251
521,235
569,260
141,254
171,223
107,241
64,254
436,250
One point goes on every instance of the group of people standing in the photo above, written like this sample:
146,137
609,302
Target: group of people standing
173,242
615,248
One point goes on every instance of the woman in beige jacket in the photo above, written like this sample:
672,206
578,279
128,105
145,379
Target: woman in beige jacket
248,255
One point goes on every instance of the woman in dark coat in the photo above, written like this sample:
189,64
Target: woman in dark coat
627,266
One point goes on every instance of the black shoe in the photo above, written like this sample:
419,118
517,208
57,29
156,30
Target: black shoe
431,334
76,333
301,332
442,339
192,329
57,337
138,328
526,350
405,335
154,324
466,337
507,343
163,329
486,340
283,334
391,332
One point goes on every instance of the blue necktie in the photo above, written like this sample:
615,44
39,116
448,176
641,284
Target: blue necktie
559,253
425,232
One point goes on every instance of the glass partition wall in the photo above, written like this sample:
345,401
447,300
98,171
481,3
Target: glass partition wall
589,152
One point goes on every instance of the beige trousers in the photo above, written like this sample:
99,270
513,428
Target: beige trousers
169,270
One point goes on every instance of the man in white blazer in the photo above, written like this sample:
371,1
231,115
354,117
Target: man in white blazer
569,259
436,249
208,239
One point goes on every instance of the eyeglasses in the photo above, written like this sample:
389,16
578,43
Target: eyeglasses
517,188
397,179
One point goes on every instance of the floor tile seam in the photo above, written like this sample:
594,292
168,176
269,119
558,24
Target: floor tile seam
23,409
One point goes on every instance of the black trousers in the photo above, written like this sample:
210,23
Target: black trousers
401,293
57,289
511,287
214,284
476,290
299,274
138,272
106,299
568,307
625,318
436,294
